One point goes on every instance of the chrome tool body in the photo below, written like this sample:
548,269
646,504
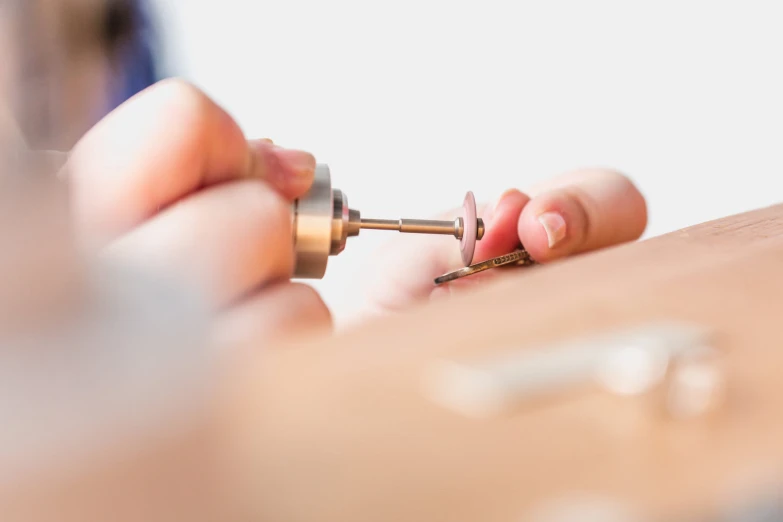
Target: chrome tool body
323,221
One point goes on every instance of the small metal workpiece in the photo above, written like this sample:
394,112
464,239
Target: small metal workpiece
517,258
323,221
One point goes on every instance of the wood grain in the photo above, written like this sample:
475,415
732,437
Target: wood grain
340,428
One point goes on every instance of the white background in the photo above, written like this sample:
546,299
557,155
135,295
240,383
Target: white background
413,103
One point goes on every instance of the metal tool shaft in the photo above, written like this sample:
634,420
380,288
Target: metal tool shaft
420,226
414,226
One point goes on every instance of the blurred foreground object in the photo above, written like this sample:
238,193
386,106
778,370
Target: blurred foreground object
628,363
350,425
105,373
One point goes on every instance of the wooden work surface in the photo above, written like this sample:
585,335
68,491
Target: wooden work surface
342,430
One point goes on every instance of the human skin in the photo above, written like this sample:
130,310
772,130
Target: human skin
170,181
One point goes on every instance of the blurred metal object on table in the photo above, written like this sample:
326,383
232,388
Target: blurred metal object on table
671,361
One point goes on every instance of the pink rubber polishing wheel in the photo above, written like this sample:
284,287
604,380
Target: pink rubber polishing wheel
467,245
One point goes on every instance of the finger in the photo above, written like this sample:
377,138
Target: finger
582,211
224,241
289,171
404,270
162,145
500,223
501,237
282,310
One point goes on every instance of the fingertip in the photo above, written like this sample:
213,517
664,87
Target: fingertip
534,238
281,311
290,172
298,165
618,198
309,308
500,219
597,210
509,201
636,208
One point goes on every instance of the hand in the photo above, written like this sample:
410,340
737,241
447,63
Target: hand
169,182
574,213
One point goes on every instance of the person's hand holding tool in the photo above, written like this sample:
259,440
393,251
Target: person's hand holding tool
168,181
575,213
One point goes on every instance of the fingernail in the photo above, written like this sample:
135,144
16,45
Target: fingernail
554,226
492,210
298,162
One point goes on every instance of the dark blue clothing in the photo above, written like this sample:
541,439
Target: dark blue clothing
136,64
